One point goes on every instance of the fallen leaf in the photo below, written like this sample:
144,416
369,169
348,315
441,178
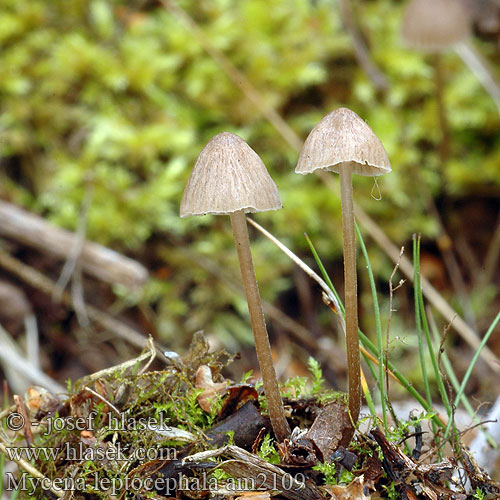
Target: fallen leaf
203,380
353,491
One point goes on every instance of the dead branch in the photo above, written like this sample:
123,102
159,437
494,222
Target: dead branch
97,260
41,282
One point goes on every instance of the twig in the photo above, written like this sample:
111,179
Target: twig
30,469
76,247
360,49
452,267
24,368
476,63
301,335
41,282
491,260
77,296
150,353
304,267
32,340
103,399
101,262
387,335
468,257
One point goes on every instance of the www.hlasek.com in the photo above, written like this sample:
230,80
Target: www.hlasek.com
79,452
115,486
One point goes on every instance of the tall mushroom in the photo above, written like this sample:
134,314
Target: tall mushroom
343,143
435,25
230,178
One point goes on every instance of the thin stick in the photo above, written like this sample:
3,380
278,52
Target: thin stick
103,399
41,282
326,289
130,363
261,338
301,335
360,49
475,62
491,259
47,483
387,335
99,261
76,246
32,340
23,367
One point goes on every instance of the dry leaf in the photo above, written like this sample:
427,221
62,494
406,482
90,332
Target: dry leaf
203,380
353,491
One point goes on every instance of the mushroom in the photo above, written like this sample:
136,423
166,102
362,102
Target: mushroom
343,143
230,178
435,25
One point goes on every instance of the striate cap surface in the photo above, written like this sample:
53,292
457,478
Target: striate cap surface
229,176
435,25
343,140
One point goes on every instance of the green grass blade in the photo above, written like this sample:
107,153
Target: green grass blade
378,329
322,269
418,318
450,373
473,362
370,346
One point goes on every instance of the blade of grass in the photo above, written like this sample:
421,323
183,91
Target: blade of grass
450,373
329,290
325,275
418,319
442,389
367,394
473,362
338,306
370,346
378,329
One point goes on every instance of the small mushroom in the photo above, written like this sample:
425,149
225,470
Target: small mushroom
435,25
343,143
230,178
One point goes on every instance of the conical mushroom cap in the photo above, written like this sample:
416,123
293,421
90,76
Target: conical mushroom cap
435,25
229,176
343,140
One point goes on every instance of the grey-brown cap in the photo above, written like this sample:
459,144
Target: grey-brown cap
435,25
229,176
342,139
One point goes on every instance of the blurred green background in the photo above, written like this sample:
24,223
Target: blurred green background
115,100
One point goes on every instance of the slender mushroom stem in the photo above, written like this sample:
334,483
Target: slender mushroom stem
351,295
262,346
